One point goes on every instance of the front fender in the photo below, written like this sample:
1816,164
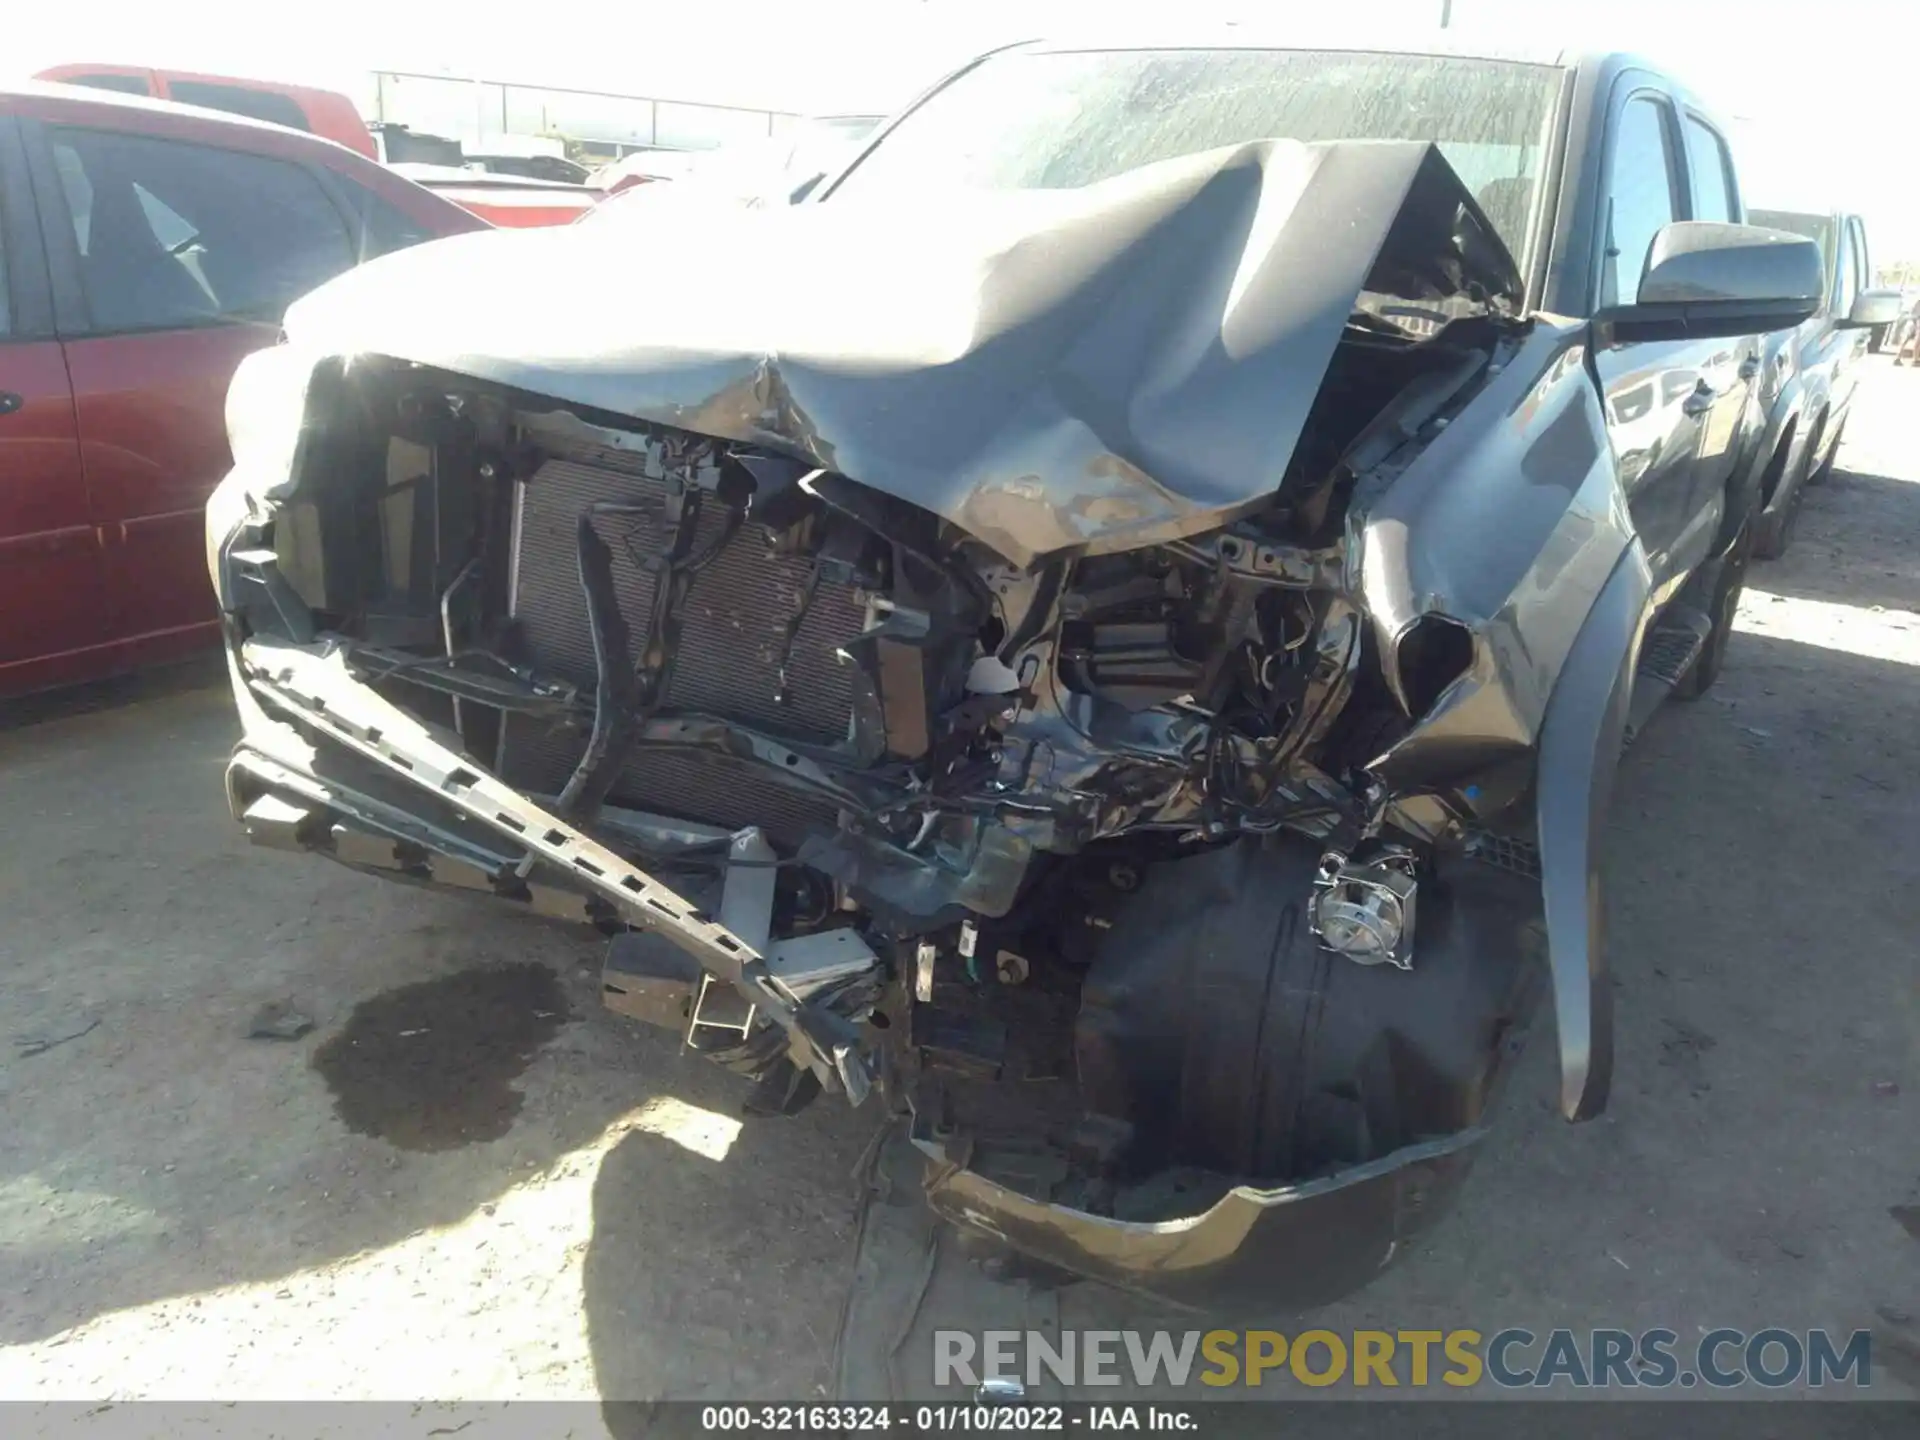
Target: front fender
1580,740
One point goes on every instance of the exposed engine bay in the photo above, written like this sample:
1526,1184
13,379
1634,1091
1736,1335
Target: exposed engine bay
1128,842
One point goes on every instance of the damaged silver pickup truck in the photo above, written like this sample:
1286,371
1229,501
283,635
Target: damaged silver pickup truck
1107,631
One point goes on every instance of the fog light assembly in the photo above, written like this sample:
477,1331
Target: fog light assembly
1363,909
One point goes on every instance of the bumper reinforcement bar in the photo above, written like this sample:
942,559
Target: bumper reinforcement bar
312,686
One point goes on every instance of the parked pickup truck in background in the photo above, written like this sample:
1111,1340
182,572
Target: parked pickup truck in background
1811,370
509,201
1119,613
325,113
145,248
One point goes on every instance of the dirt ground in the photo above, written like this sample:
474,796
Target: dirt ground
468,1182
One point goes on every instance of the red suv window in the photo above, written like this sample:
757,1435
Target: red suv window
172,234
379,227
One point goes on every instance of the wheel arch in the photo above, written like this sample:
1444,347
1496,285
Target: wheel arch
1774,467
1817,431
1580,744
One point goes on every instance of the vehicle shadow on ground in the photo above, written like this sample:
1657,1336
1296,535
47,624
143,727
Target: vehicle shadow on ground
202,672
722,1279
152,1148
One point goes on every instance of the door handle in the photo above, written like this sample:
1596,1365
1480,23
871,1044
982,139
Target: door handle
1700,401
10,402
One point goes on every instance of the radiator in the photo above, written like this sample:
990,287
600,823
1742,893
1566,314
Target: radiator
733,635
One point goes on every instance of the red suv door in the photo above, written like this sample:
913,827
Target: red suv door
167,247
53,591
180,257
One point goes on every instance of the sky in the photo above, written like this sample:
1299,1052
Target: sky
1824,99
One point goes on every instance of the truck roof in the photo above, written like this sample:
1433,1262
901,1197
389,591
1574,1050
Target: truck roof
65,73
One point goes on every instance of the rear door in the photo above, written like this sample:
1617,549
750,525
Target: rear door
53,592
174,260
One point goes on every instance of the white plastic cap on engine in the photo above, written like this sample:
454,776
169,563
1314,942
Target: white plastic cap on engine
991,676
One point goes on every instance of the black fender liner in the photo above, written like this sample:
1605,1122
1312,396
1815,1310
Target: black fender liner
1579,752
1298,1121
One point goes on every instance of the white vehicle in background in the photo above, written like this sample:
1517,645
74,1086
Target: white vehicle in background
641,167
780,170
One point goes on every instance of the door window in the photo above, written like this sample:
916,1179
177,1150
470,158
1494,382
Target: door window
1848,285
1860,252
172,234
1640,190
1713,197
379,228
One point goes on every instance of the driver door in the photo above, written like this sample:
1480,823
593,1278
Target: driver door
1653,390
1727,368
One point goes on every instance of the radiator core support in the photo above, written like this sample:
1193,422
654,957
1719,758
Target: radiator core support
760,643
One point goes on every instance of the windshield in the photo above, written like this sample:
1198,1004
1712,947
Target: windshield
1031,120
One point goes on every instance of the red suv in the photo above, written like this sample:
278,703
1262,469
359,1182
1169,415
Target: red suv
145,248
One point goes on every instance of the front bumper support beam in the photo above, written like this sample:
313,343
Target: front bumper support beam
312,687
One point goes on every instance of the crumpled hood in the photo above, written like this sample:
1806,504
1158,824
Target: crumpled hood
1054,371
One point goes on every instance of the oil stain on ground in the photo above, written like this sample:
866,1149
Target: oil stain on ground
431,1066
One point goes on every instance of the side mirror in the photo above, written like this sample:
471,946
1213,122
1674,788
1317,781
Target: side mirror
1709,280
1872,307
